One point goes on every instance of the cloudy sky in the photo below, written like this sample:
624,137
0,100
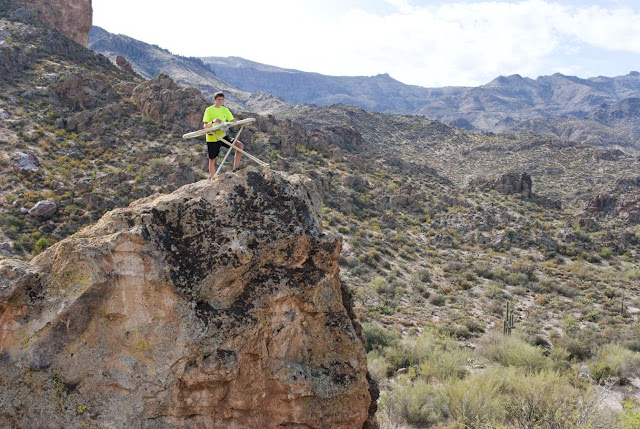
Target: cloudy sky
428,43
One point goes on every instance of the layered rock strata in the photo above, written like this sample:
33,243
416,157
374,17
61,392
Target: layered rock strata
217,306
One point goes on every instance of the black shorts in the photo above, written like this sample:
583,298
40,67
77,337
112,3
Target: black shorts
214,147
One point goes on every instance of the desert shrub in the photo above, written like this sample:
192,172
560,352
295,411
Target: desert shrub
613,360
499,273
428,352
475,401
423,276
545,400
513,351
437,300
377,337
630,418
483,270
378,366
578,348
40,245
444,364
382,286
418,404
515,279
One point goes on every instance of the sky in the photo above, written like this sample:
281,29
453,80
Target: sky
427,43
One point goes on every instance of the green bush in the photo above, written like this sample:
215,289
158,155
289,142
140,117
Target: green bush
418,404
444,364
614,360
40,245
378,366
377,337
545,400
512,351
630,418
436,356
474,402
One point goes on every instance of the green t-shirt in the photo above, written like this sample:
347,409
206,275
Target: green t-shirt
211,114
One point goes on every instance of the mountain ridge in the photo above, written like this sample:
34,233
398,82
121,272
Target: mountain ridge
150,60
504,104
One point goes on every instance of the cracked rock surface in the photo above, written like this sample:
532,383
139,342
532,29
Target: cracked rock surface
219,305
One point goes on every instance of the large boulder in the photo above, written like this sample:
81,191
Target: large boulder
73,18
43,209
26,163
217,306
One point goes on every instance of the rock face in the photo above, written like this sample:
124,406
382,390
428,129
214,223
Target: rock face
514,183
124,64
73,18
163,100
217,306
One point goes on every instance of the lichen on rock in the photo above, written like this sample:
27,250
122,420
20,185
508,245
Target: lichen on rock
219,305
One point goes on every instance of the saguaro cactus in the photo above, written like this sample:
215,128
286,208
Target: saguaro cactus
507,324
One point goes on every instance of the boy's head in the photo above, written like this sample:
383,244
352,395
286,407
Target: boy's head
218,94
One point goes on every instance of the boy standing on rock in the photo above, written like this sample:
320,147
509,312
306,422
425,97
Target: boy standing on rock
214,115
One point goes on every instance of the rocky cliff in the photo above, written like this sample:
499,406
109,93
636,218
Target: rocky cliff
73,18
218,306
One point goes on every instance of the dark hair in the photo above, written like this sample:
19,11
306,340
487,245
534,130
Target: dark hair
218,94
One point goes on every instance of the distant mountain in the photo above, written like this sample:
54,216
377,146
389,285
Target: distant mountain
496,106
380,93
504,101
151,60
600,111
617,124
624,116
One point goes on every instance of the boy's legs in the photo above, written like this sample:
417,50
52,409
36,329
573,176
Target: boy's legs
212,168
213,149
238,155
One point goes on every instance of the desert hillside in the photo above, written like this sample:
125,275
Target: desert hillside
447,235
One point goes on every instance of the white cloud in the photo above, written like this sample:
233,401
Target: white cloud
459,43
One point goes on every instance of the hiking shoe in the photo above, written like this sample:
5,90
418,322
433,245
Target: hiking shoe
235,170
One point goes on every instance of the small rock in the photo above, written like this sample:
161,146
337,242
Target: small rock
4,114
24,210
43,209
6,247
56,184
26,163
402,371
84,186
45,229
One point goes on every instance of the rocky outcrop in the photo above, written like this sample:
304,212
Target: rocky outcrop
124,64
343,137
601,203
514,183
73,18
217,306
85,91
508,183
164,101
623,203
